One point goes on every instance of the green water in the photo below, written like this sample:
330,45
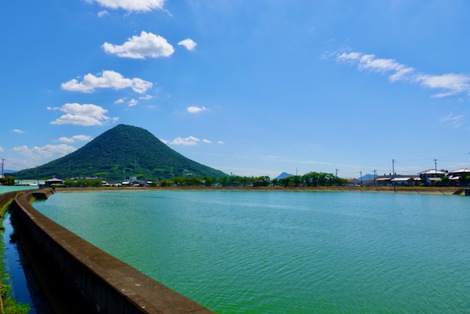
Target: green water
286,252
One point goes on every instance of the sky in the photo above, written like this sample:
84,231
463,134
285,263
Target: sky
251,88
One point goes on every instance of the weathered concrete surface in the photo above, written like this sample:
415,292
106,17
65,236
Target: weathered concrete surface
102,283
6,198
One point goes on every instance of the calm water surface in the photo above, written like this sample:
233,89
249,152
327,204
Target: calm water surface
23,290
286,252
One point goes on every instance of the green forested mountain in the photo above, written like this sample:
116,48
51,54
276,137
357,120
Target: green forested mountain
121,152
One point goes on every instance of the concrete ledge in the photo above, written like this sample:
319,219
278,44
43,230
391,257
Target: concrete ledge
5,199
103,283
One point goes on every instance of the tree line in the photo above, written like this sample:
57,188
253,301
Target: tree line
7,180
310,179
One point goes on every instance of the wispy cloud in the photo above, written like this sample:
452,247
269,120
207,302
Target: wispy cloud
188,43
131,5
84,115
196,109
75,138
190,141
38,154
450,83
140,47
108,79
130,102
447,84
120,101
185,141
19,131
455,120
133,102
102,13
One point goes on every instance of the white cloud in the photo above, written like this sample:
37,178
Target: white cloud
132,5
371,63
220,142
102,13
188,44
120,101
449,83
455,120
146,97
46,152
1,149
130,102
141,47
196,109
84,115
75,138
187,141
133,102
108,79
18,131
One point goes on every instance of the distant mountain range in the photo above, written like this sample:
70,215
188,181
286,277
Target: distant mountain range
123,151
283,176
366,177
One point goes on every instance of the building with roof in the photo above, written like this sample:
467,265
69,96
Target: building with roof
432,176
460,177
53,182
397,180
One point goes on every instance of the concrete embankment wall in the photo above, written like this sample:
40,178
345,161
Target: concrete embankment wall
80,278
6,198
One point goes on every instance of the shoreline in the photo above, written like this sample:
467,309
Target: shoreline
377,189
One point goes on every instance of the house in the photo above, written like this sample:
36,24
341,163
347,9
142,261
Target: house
385,180
397,180
405,180
432,176
460,177
53,182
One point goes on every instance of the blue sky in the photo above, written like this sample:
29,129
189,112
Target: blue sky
248,87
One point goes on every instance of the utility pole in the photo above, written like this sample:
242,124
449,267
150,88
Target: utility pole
375,177
435,165
360,172
393,167
336,173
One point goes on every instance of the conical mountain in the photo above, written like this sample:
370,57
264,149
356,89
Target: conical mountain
123,151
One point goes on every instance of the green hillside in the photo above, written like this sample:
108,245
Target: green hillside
121,152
